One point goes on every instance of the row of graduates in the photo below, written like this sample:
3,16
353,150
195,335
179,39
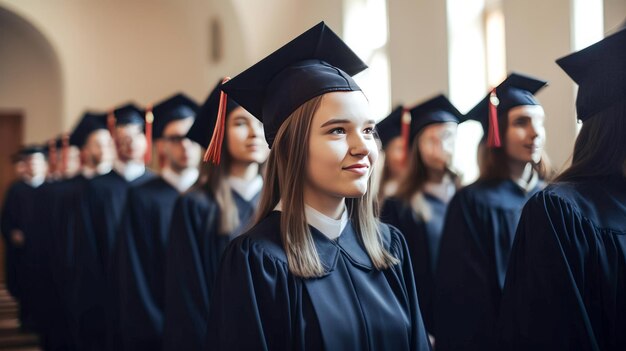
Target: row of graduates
315,269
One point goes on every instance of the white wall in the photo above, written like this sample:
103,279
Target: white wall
537,33
30,77
114,51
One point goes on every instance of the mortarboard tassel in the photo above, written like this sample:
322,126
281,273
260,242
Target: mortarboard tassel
111,122
214,150
52,155
493,137
149,121
65,149
405,130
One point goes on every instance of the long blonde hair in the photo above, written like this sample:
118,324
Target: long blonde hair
285,175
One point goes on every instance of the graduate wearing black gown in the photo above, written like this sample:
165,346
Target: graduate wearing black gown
202,225
56,208
418,209
303,277
146,222
566,283
19,226
481,219
98,222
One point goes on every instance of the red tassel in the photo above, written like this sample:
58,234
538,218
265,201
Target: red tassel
65,149
493,136
214,151
149,121
52,156
111,122
405,131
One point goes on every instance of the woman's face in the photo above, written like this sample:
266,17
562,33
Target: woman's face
436,145
342,148
246,143
394,157
526,135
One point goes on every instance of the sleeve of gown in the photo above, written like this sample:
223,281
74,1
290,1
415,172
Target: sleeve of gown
389,213
7,219
252,301
186,293
542,307
404,273
464,294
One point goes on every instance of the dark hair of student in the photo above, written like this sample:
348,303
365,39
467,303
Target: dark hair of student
600,148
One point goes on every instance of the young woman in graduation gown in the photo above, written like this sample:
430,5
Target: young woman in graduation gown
317,271
207,217
418,209
481,218
566,284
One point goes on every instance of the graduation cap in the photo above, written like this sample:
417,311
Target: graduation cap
129,114
314,63
176,107
32,149
202,129
600,72
393,125
515,90
89,123
435,110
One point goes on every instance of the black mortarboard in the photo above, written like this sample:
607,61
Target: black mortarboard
129,114
89,123
314,63
176,107
391,126
202,129
436,110
515,90
600,72
32,149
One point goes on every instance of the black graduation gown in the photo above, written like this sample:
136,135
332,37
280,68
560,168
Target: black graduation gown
98,222
20,213
423,239
475,246
193,257
258,305
142,247
566,284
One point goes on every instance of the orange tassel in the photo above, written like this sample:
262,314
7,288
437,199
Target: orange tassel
214,151
149,121
65,149
493,137
405,131
111,122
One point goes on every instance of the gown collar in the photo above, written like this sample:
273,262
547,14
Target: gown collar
130,170
180,181
244,188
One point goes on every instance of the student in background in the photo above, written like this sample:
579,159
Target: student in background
207,217
393,134
142,244
481,218
418,209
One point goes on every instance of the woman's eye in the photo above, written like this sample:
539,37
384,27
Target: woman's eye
369,130
337,131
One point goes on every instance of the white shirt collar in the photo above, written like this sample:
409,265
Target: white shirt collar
180,181
444,191
328,226
246,189
90,172
130,170
529,179
35,182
